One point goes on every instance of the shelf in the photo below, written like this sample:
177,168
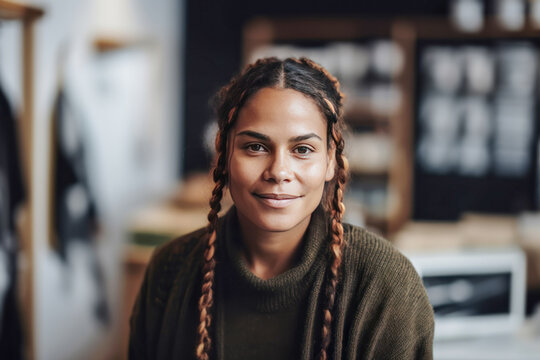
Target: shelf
353,28
323,28
363,115
138,254
434,28
106,44
168,219
373,174
11,10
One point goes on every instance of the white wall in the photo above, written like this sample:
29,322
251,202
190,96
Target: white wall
134,133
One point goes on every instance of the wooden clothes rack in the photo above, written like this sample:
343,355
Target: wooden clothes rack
27,15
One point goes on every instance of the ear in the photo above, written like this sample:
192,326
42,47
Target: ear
331,163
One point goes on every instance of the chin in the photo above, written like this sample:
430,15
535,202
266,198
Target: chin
278,223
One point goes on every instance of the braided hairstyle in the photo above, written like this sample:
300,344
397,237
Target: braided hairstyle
314,81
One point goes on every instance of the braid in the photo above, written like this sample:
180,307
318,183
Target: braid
227,114
207,294
336,244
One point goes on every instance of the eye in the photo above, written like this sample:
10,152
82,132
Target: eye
255,147
303,150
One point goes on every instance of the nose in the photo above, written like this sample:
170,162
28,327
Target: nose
278,169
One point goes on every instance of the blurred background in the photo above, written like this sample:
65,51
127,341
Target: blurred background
106,137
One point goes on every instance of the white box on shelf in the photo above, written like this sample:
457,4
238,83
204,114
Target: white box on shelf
474,292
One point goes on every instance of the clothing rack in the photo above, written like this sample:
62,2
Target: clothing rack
27,15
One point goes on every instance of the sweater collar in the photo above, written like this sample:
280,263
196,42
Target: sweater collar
285,289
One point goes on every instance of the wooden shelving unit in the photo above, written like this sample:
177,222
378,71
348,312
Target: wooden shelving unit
434,32
406,32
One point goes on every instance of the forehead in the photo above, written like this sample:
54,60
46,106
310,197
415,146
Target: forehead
281,112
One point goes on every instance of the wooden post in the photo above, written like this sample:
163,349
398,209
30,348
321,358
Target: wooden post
10,10
27,130
401,169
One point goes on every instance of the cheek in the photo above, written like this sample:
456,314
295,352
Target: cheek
242,172
315,174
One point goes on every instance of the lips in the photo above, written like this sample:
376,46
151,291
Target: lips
276,200
277,196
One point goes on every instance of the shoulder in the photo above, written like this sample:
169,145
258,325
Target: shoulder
388,296
180,256
375,261
371,250
177,258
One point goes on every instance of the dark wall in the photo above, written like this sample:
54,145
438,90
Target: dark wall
213,49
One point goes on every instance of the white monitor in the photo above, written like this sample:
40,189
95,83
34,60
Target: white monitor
474,292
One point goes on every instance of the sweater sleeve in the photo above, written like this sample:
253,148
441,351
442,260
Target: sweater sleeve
136,324
414,340
169,262
393,317
140,320
406,323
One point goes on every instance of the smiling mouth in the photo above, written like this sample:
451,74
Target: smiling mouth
276,201
277,196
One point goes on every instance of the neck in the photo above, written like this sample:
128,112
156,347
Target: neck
270,253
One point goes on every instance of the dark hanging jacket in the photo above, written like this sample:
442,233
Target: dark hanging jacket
74,213
381,309
11,196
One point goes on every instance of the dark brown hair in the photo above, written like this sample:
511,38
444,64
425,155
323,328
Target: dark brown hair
314,81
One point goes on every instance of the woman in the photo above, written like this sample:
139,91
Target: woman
280,276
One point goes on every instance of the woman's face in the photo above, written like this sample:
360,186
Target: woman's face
279,160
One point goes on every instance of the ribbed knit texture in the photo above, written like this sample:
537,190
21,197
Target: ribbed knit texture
264,318
381,309
285,289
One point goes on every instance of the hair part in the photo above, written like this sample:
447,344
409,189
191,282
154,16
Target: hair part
315,82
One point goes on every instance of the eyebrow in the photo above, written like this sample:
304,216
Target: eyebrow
263,137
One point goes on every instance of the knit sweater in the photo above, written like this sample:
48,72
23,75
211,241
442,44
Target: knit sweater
381,309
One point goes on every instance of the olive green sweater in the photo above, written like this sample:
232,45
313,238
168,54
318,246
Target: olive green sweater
381,309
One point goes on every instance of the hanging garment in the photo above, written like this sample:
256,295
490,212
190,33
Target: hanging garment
11,196
75,216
